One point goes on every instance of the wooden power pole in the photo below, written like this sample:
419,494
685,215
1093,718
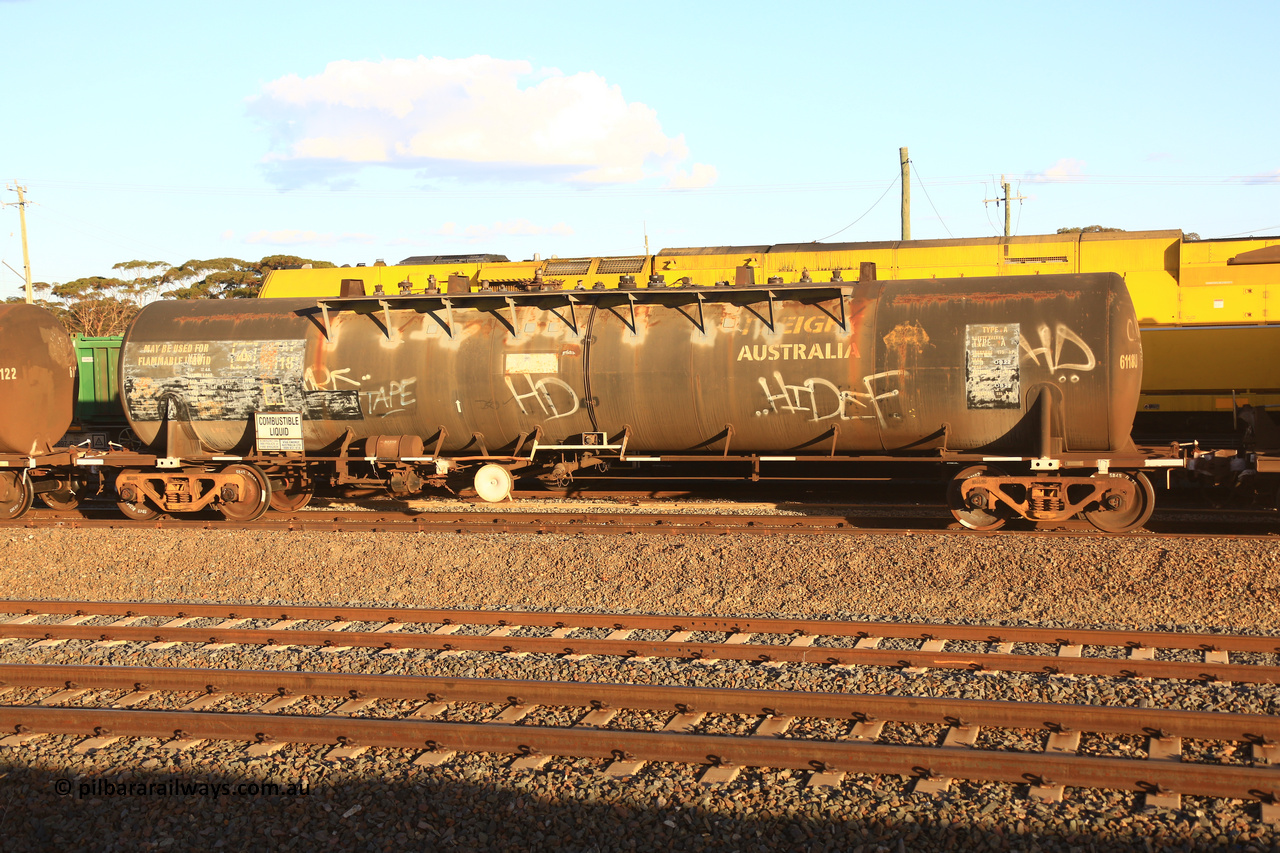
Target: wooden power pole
906,193
1004,184
26,256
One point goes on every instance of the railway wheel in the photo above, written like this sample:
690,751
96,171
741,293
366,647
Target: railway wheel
291,499
68,498
16,494
493,483
982,511
255,494
138,510
1118,514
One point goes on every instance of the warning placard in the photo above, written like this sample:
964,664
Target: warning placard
278,431
991,366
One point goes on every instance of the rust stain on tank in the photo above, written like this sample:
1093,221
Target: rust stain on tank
908,339
979,297
235,319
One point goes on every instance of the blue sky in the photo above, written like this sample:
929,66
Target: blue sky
170,131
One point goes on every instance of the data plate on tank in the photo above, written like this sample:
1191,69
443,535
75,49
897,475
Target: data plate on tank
531,362
278,431
991,365
214,380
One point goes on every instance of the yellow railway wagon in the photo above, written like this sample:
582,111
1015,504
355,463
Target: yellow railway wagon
1209,310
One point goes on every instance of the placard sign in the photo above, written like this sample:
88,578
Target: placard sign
991,366
278,431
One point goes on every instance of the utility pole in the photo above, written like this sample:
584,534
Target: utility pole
906,193
22,217
1004,184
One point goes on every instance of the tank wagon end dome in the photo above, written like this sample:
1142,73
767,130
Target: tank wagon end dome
37,379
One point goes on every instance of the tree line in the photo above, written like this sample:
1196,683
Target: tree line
102,305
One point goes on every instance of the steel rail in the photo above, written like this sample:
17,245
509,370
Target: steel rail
1205,725
677,645
637,621
1152,776
676,524
480,522
1244,783
974,662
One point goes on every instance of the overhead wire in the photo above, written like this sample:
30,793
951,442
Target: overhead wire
986,211
95,231
864,215
926,195
1017,226
1249,232
633,191
469,192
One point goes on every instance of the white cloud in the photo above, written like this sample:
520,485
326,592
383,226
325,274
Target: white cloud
474,119
1265,178
1064,169
298,238
512,227
701,175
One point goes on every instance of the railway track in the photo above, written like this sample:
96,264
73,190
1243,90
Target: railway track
626,725
909,645
1182,523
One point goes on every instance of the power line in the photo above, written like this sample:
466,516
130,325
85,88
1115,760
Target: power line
1004,184
95,231
985,210
1249,232
864,215
463,192
651,191
931,204
1018,227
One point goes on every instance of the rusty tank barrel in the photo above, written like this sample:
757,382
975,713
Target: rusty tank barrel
806,369
37,379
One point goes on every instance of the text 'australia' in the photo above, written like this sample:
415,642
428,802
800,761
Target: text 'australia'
796,352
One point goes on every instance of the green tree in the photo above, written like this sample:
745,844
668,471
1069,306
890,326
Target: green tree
56,307
1087,229
227,278
143,279
98,305
101,305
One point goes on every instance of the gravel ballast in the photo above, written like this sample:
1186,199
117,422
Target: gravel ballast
381,801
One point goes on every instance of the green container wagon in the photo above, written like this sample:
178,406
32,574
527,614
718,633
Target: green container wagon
99,417
98,391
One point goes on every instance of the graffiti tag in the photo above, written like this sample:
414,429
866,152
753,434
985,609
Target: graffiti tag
541,391
823,399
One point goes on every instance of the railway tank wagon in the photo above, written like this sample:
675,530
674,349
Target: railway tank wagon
37,386
1039,377
1206,308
